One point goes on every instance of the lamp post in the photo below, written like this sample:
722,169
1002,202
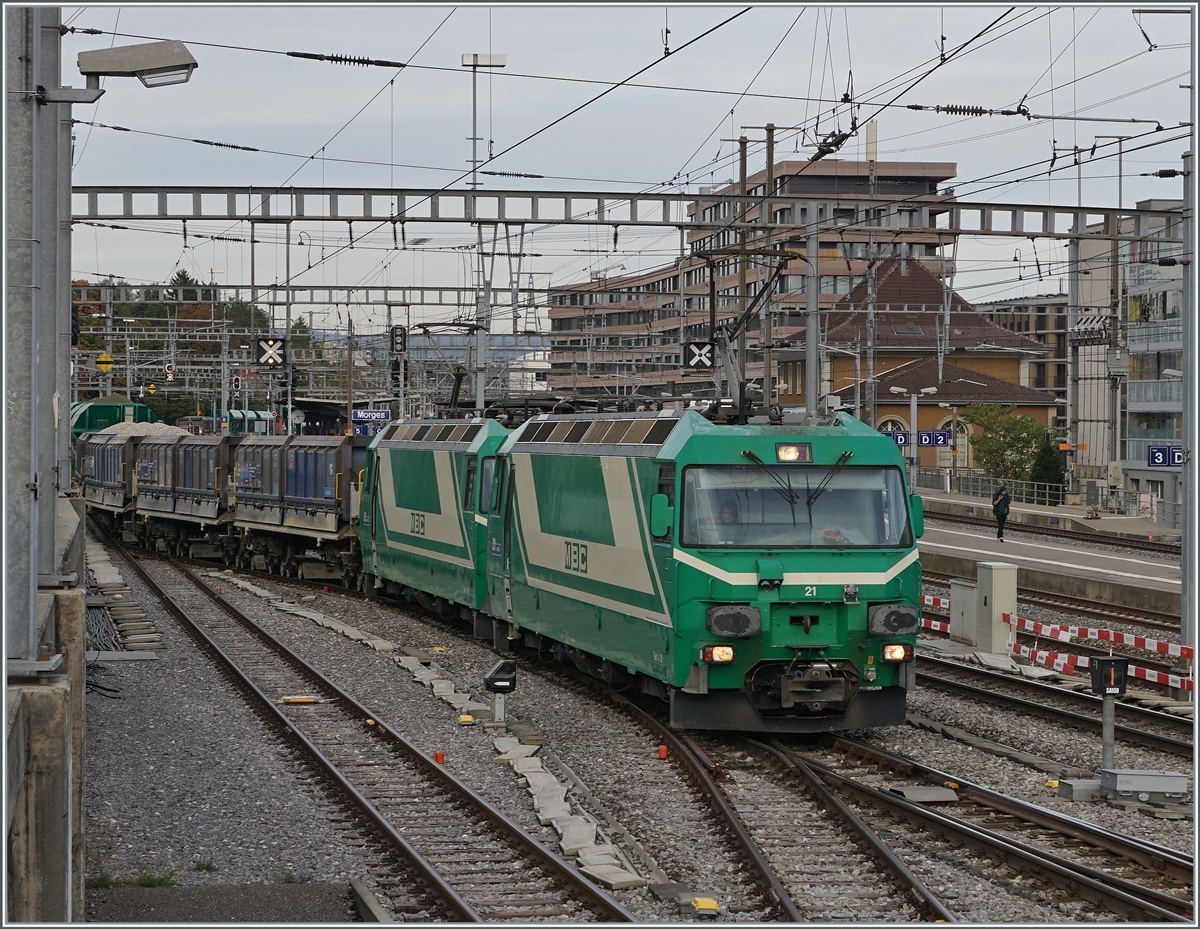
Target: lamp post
38,305
953,408
482,290
912,425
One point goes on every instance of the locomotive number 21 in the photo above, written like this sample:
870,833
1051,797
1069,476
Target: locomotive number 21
576,559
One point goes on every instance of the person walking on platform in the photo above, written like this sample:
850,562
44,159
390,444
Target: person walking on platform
1000,500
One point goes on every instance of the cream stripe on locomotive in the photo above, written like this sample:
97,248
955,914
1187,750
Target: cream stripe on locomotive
625,564
445,527
742,578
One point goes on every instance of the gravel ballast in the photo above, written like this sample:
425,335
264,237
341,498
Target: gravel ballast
184,784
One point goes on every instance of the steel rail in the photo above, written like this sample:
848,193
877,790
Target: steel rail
699,767
682,748
1116,894
1077,720
457,905
599,900
595,898
1145,545
1168,861
934,909
1132,712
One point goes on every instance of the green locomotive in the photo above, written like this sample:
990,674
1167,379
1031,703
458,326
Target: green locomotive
758,577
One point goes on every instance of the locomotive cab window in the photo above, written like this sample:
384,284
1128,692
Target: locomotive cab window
794,507
486,471
469,483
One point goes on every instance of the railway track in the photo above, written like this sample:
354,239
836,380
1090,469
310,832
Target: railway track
1130,877
834,864
1135,725
451,855
1080,606
1095,538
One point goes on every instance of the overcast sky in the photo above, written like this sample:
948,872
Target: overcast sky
414,124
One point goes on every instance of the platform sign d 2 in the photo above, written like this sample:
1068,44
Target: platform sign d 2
1164,456
937,438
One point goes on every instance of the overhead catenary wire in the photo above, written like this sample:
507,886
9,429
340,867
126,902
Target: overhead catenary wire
623,231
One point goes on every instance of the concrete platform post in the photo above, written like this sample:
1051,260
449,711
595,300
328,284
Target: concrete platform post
41,834
995,595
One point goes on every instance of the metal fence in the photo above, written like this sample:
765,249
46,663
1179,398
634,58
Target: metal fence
974,482
1162,391
1155,330
1167,513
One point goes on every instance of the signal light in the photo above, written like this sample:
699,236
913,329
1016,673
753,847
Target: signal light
897,653
717,654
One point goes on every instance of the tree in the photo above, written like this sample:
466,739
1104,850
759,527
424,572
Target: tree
1007,447
300,335
238,315
1049,467
170,408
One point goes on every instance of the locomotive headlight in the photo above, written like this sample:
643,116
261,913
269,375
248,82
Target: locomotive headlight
718,654
787,454
897,653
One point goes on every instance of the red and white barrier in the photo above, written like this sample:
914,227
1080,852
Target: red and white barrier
1068,664
935,625
1065,633
940,602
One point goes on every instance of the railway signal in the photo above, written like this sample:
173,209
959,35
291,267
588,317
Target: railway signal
399,340
170,369
237,384
699,356
272,352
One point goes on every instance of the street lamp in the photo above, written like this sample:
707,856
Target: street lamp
912,421
953,408
155,64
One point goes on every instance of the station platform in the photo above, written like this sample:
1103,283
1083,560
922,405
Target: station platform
1063,516
1146,581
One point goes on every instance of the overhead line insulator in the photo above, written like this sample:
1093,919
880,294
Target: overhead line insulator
349,60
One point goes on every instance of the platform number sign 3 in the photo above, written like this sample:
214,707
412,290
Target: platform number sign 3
699,356
271,352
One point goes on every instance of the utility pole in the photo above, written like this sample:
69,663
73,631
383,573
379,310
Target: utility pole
812,326
223,413
287,333
349,373
108,336
253,308
742,294
872,155
1073,349
483,285
1188,524
764,216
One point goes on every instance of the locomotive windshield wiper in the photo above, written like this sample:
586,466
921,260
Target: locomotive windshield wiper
815,494
783,488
